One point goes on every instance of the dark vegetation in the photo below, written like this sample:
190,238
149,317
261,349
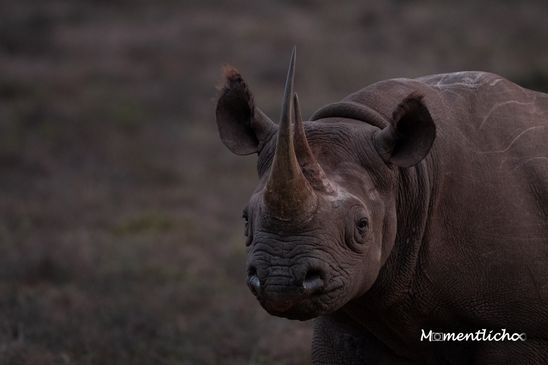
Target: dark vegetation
120,232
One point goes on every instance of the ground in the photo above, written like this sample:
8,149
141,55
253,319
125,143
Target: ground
121,240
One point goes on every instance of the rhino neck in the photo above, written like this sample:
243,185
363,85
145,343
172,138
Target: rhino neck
414,205
380,307
351,110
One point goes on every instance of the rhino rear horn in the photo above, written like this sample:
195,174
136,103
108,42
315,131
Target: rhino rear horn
310,166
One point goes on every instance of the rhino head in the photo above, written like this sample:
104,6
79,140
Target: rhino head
322,220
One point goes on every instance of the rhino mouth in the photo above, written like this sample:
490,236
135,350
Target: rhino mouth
303,308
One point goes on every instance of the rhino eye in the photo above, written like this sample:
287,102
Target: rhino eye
358,227
246,220
362,225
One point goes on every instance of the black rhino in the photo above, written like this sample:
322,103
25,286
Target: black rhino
412,205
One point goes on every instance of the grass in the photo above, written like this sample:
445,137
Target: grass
120,236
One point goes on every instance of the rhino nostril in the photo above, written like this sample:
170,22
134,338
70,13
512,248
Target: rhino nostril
313,282
254,284
253,280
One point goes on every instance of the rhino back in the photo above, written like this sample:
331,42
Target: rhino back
492,199
488,223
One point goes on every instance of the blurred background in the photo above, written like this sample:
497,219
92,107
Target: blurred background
121,240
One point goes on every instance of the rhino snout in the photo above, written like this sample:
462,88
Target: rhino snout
283,287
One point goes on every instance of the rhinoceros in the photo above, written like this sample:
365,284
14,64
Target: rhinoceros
410,211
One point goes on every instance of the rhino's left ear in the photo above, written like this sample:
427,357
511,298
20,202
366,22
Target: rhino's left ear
408,139
243,128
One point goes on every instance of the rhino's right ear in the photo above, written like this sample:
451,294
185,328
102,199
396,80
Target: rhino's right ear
243,128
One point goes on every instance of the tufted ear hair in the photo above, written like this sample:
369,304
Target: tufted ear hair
409,137
243,128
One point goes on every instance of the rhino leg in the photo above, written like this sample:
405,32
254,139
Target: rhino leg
337,341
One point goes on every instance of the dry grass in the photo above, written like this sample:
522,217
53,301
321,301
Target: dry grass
120,238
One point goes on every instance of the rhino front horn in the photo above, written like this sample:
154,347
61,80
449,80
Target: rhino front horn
288,193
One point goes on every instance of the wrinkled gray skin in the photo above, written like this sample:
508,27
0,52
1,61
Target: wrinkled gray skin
424,205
